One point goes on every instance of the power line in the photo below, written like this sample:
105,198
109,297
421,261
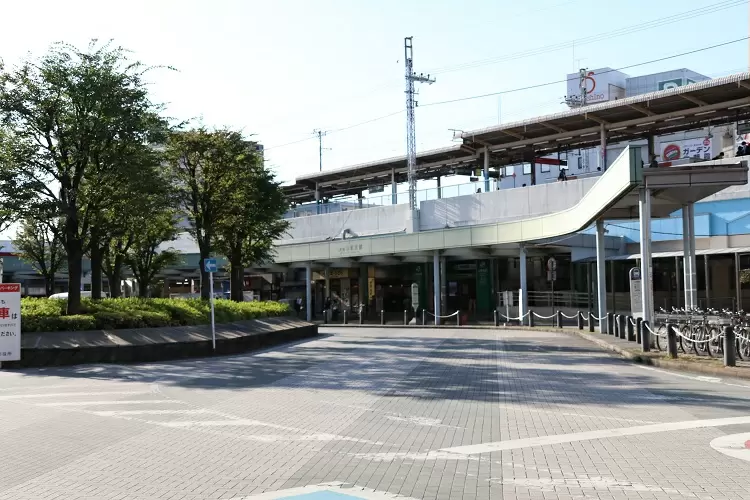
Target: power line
556,82
510,91
655,23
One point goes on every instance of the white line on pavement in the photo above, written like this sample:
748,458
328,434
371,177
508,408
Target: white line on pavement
115,413
699,378
515,444
115,402
734,445
70,394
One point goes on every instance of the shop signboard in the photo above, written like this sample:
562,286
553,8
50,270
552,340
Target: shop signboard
10,322
700,147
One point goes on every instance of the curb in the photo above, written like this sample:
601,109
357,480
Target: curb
670,364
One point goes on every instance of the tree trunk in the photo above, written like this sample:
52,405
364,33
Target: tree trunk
49,285
205,285
115,278
237,277
142,290
75,266
96,272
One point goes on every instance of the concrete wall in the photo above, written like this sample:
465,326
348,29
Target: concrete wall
364,222
503,205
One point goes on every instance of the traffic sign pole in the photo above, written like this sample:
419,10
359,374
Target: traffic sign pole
213,326
209,266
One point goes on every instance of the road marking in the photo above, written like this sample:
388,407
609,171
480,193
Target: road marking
116,402
327,491
70,394
115,413
733,445
515,444
699,378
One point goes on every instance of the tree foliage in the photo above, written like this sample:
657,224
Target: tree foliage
76,117
144,256
38,242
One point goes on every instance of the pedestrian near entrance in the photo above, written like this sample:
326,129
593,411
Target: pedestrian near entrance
741,149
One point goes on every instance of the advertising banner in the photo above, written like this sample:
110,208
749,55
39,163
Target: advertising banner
687,148
10,322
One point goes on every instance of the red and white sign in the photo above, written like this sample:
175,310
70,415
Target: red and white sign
687,148
10,322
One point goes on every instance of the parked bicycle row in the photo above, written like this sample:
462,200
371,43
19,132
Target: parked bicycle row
701,332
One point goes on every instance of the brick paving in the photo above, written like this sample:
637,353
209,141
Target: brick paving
381,410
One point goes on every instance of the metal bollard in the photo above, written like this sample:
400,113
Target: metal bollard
361,316
579,318
638,329
424,318
531,318
325,316
345,320
631,331
559,318
615,325
496,317
610,324
645,337
671,340
730,344
591,321
406,317
382,317
458,318
621,326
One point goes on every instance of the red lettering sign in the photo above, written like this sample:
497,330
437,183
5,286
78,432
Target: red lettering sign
10,287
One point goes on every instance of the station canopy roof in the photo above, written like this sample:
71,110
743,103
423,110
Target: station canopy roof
706,103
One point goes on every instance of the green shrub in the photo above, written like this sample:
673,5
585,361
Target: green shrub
48,315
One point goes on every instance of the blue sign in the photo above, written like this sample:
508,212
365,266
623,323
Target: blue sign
209,265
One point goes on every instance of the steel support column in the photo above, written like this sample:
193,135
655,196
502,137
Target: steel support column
308,291
693,266
436,284
486,170
601,275
523,295
439,189
603,146
707,276
394,194
679,279
644,208
737,282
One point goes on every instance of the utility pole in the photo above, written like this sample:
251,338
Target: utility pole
320,134
411,141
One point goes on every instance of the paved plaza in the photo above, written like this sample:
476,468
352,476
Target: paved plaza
377,414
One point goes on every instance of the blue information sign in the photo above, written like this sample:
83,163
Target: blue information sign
209,265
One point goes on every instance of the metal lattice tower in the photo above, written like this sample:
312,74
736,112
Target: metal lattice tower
411,103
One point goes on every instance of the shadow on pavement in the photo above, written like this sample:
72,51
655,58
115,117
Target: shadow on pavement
524,370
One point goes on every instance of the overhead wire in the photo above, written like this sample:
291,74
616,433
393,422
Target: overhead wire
509,91
647,25
556,82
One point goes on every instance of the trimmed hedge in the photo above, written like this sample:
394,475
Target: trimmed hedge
48,315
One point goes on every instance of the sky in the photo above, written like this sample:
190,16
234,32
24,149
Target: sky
279,69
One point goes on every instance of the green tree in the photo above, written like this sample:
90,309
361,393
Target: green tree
143,257
252,216
75,116
39,243
202,163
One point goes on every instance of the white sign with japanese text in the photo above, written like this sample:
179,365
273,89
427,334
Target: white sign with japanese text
10,322
688,148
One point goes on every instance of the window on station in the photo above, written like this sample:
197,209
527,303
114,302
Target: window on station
527,169
508,171
545,169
